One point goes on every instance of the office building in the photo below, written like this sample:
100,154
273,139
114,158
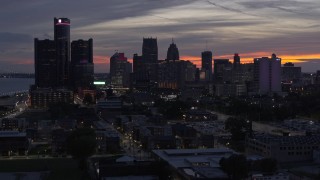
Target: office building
174,74
44,97
62,41
173,52
283,148
82,67
145,67
45,64
290,73
150,50
191,164
219,66
120,70
139,78
267,74
236,61
138,63
206,64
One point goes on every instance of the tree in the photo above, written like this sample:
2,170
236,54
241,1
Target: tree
265,165
237,127
235,166
81,145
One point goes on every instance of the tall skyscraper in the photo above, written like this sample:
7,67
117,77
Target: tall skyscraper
236,61
82,67
120,70
150,50
45,63
138,63
219,66
62,40
173,52
206,64
267,74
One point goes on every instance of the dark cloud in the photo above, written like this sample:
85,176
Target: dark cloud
228,8
244,26
8,37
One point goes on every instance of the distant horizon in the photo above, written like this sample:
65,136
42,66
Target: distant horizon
253,29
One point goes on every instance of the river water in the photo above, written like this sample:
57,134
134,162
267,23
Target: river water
12,85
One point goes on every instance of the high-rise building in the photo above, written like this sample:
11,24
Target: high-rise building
236,61
139,78
174,74
45,63
150,50
62,40
206,64
173,52
290,73
150,58
82,67
267,74
219,67
138,63
120,70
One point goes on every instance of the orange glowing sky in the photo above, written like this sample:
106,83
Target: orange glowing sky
288,28
102,62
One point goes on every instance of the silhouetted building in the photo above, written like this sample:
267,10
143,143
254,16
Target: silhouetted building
145,67
236,61
13,142
45,64
62,40
290,73
206,64
267,74
120,70
138,63
173,74
173,52
219,67
82,67
150,50
139,78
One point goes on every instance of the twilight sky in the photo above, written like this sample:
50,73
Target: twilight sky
252,28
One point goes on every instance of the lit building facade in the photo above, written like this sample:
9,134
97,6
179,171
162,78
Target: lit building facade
267,74
43,98
174,74
120,70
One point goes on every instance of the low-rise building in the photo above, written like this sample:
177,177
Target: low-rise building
13,143
194,163
107,138
44,97
284,148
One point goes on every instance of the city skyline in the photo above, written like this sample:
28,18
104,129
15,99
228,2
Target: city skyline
252,29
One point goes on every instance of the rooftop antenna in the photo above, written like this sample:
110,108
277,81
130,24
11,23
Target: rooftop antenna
172,41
